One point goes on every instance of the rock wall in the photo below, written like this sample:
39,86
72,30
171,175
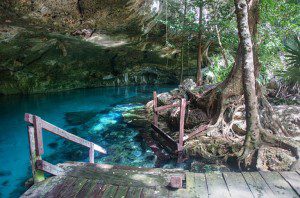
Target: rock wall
38,61
56,45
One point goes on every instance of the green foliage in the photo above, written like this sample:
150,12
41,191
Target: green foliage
217,72
278,20
292,73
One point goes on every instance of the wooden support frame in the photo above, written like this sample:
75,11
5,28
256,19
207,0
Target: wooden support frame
155,113
170,141
181,124
49,168
35,138
38,175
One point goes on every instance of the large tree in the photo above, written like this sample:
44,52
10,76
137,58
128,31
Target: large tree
240,92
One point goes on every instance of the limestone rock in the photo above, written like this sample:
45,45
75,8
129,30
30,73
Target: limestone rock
289,116
164,98
188,84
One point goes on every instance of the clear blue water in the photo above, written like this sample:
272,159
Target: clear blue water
94,114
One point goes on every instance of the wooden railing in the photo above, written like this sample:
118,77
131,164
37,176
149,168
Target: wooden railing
172,143
35,136
169,141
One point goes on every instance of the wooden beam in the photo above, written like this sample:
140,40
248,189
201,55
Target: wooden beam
99,149
196,132
37,123
49,168
171,142
161,108
181,124
155,113
37,175
92,153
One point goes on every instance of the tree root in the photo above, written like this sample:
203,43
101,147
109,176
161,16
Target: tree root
272,136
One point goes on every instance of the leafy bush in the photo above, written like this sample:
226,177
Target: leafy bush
292,73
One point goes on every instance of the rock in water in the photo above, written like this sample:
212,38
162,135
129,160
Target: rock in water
80,117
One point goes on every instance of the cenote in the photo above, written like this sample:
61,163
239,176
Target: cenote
94,114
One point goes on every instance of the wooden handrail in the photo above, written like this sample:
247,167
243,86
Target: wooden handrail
60,132
36,146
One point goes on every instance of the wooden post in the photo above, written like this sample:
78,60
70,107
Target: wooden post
38,175
92,153
155,113
37,123
181,124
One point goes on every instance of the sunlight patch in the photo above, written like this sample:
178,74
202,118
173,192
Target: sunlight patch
106,41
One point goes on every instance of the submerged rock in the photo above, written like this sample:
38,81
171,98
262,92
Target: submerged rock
5,173
53,145
79,117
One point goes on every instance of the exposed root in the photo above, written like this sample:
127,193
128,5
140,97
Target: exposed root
223,135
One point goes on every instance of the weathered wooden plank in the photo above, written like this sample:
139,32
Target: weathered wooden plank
40,189
169,140
161,108
278,185
38,175
190,183
293,179
58,189
181,124
155,113
200,185
37,123
110,191
87,189
216,185
73,189
49,168
134,192
257,185
92,153
149,192
121,192
98,190
237,185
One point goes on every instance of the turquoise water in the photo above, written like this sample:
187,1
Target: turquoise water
94,114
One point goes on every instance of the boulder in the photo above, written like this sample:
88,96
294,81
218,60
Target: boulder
164,98
188,84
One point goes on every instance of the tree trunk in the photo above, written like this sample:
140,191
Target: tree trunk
221,46
251,105
183,39
199,60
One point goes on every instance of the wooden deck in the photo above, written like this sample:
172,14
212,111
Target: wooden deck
95,180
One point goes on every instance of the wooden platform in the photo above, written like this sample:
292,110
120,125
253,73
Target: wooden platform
95,180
